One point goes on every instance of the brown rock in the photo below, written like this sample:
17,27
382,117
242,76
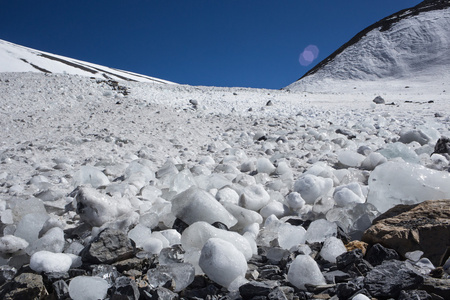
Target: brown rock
405,228
357,245
24,286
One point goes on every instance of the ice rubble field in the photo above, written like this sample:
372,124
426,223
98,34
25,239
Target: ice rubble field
74,150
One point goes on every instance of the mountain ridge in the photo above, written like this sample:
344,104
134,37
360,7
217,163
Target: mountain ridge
390,53
18,58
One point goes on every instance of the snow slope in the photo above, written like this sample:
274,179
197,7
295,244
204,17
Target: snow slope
16,58
411,45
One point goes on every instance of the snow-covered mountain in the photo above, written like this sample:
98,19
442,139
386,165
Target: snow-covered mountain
16,58
412,45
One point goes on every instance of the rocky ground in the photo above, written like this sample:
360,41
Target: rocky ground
141,191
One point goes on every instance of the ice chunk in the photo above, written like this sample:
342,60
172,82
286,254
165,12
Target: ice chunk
48,262
400,150
140,234
90,175
245,217
182,181
11,244
52,240
152,245
227,194
360,297
196,204
28,228
263,165
373,160
97,209
312,187
172,236
222,262
254,197
295,201
290,236
332,248
415,135
395,183
181,273
24,207
273,208
304,270
350,158
348,194
319,230
196,235
88,288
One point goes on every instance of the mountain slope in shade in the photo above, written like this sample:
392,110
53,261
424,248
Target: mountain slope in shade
413,44
16,58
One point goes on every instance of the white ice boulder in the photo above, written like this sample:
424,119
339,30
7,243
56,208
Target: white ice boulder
140,234
304,270
264,165
52,240
254,197
290,236
295,201
403,151
30,225
196,235
49,262
396,183
373,160
97,209
195,205
312,187
332,248
319,230
90,175
350,158
222,262
88,288
228,195
10,244
245,217
351,193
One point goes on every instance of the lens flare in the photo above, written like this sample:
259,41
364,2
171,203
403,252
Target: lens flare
308,55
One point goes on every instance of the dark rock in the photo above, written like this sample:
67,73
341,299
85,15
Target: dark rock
406,228
269,103
257,288
201,293
352,262
377,254
346,290
7,273
24,286
440,287
267,271
179,225
378,100
442,146
60,290
125,288
140,264
414,294
389,278
281,293
77,272
350,135
336,276
110,246
220,225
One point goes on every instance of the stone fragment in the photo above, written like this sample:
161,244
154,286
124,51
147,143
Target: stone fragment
24,286
414,294
437,286
406,228
389,278
281,293
357,245
378,100
257,288
60,289
125,288
377,254
352,262
346,290
108,247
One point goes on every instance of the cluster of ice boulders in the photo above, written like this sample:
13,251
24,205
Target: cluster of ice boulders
253,197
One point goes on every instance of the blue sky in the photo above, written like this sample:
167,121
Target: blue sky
244,43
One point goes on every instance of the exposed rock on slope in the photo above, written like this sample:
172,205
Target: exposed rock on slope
16,58
409,44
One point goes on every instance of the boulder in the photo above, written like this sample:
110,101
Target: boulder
406,228
108,247
24,286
